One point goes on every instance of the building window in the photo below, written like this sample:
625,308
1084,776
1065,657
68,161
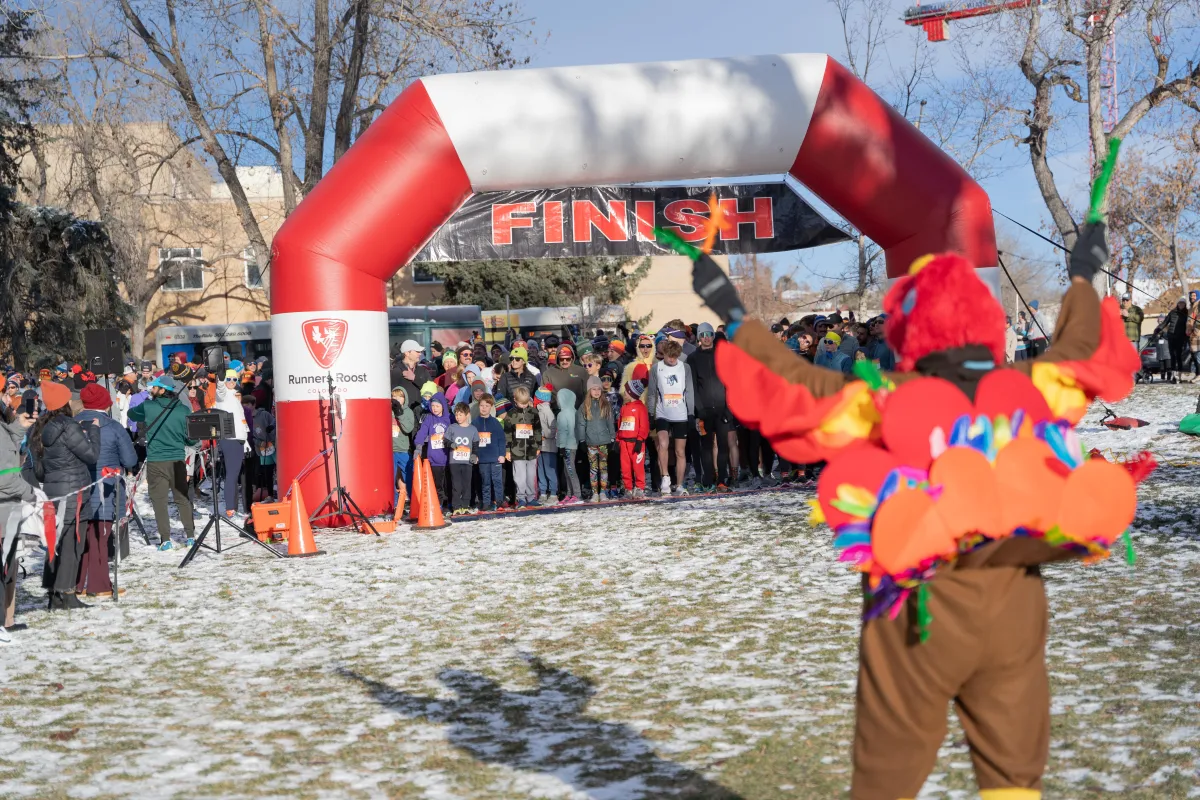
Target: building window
183,268
254,278
422,275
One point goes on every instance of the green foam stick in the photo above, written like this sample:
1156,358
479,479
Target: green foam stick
1101,185
869,373
924,618
672,240
1130,556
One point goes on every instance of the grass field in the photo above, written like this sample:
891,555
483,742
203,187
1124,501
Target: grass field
703,649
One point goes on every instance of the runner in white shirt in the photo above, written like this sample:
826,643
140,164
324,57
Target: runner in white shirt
670,398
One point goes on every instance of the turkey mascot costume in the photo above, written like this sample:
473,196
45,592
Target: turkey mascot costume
948,484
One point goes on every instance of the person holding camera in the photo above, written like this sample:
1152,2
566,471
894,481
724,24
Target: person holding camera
233,451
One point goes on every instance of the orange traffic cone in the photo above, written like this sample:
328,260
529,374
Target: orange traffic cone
431,506
300,535
414,510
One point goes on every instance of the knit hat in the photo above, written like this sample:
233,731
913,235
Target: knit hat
429,388
44,374
640,373
449,358
503,406
584,347
617,345
837,339
635,388
478,384
63,367
95,398
519,352
544,393
181,372
55,395
704,328
594,383
566,348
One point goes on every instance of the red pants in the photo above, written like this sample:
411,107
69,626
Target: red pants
93,574
633,465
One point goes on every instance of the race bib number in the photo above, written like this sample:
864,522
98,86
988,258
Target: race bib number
462,453
395,429
524,430
437,441
672,400
485,439
628,424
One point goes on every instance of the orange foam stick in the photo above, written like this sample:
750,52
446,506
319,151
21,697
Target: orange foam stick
716,222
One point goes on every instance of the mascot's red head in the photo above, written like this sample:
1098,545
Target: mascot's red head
939,305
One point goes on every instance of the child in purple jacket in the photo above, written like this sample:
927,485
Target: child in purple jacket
433,432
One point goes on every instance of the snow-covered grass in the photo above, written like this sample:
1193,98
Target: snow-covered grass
703,649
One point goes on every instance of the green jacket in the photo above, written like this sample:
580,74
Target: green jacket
165,441
1133,323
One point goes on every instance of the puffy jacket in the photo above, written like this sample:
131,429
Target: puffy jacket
549,427
597,430
567,409
68,455
523,449
166,439
1175,325
511,380
710,392
228,400
573,378
116,450
13,488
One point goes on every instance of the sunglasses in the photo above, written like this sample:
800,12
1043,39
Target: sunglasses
231,380
706,335
645,347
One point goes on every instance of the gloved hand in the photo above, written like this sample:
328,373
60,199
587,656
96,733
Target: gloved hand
715,288
1090,252
637,447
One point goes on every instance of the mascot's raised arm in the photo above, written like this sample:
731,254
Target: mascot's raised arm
948,483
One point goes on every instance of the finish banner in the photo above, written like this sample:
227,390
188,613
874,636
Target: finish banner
620,221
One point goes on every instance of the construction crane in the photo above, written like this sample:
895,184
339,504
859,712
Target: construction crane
935,19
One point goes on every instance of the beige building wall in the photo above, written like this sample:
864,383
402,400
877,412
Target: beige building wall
183,206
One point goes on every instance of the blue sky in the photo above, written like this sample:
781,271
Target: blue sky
572,32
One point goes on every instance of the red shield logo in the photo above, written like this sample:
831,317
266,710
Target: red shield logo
325,339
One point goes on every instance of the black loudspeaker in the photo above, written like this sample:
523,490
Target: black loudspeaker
212,423
214,360
105,351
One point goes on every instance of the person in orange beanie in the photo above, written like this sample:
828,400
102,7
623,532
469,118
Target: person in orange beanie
63,453
949,483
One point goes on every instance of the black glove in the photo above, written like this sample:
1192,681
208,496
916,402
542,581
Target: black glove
715,288
1090,253
637,447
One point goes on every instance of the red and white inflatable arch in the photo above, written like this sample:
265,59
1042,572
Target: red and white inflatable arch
448,136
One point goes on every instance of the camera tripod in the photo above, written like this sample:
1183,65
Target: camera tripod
339,497
218,519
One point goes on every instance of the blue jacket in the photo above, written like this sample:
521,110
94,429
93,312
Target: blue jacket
490,453
116,450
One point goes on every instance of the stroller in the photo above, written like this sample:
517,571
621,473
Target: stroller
1156,358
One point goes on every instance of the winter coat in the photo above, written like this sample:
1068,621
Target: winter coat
264,436
166,439
523,449
573,378
433,430
1133,323
13,488
491,431
402,427
710,391
1175,325
412,389
836,361
689,391
549,422
228,400
511,380
69,453
597,430
567,411
116,450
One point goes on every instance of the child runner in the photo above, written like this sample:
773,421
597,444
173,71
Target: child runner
567,444
548,460
523,435
403,423
631,435
464,440
491,454
609,377
594,429
433,433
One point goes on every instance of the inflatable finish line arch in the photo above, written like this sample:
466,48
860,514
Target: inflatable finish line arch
450,135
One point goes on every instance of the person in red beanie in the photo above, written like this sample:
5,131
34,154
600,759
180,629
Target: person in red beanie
63,453
949,483
108,499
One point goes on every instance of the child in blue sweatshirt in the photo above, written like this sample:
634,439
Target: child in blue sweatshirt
433,433
491,453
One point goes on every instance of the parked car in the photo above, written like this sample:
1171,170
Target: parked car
1156,358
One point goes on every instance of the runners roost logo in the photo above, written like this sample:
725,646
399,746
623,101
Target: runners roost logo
325,339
